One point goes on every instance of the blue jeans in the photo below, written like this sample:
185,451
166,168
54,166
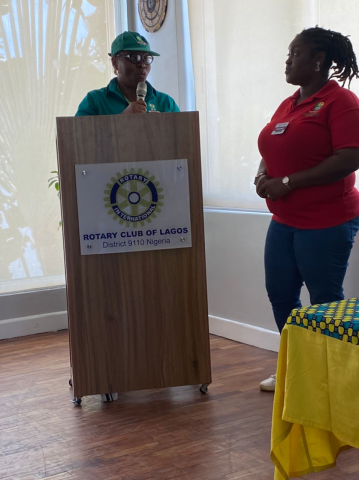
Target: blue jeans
317,257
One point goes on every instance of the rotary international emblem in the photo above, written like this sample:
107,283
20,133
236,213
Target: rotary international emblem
133,197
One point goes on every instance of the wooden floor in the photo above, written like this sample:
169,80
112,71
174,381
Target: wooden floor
175,433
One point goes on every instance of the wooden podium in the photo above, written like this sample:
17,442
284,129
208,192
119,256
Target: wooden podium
137,320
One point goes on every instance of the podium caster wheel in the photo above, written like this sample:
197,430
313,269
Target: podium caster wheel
77,401
204,388
70,382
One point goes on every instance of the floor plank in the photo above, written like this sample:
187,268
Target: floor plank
174,433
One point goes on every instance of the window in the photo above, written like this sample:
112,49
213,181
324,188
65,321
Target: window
239,49
52,52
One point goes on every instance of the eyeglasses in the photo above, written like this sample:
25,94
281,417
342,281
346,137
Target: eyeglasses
135,58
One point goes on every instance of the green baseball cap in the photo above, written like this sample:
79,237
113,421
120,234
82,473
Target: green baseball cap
131,41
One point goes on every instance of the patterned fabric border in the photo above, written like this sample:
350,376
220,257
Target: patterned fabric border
336,319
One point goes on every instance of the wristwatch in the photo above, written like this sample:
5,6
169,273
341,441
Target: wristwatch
285,181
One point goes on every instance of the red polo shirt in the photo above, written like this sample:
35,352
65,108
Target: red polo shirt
318,126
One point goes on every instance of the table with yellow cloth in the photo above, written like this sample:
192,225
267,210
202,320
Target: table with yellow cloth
316,402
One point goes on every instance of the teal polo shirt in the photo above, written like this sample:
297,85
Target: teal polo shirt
110,101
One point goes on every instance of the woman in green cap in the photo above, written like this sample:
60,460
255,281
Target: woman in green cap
131,58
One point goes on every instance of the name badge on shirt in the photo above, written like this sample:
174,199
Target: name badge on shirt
280,128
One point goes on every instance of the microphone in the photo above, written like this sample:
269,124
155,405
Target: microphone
141,91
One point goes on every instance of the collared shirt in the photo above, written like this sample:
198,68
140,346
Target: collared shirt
110,101
317,127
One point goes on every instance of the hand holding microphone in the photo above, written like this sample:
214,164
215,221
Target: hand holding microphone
141,93
139,106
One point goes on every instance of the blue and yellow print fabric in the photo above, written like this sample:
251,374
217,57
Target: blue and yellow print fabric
336,319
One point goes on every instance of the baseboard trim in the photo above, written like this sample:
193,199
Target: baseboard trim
241,332
21,327
222,327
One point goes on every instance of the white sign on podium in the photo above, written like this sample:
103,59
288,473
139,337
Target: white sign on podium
133,206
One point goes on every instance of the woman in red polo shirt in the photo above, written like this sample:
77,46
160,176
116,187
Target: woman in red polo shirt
310,151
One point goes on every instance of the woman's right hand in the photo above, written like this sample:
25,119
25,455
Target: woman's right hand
262,180
136,107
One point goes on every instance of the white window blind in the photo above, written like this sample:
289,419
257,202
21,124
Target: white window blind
239,49
52,52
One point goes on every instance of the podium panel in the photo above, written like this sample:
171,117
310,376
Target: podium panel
139,319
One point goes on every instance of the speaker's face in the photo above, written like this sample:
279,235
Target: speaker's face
128,73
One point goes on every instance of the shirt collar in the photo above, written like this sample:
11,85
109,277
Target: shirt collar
328,88
112,89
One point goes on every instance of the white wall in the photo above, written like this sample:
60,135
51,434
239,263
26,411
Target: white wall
235,275
27,313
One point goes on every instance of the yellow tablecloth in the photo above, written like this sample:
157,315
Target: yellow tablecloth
316,403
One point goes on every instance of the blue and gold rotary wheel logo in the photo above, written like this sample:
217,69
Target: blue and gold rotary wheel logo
133,197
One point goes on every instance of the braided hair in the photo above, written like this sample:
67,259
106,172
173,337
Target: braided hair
338,49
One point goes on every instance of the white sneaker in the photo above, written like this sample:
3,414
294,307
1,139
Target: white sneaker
268,385
109,397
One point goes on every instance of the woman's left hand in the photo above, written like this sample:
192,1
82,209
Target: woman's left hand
273,189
